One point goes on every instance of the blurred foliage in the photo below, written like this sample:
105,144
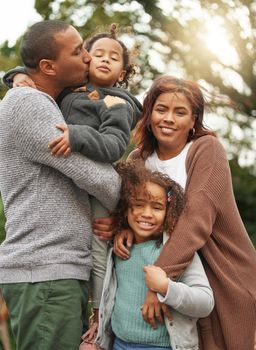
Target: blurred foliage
186,39
244,183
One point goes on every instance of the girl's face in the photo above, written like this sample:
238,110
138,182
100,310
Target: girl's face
171,120
147,213
107,65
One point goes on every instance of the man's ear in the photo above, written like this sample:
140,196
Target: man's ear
47,67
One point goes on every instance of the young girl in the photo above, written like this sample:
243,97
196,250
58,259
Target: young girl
150,205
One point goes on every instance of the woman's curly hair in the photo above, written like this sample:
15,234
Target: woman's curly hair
128,66
134,176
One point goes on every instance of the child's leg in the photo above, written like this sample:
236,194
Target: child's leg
99,255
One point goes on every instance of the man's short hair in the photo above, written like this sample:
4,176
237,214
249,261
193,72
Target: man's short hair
39,42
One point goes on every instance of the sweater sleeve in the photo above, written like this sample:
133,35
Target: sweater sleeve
8,76
191,295
207,183
109,143
36,116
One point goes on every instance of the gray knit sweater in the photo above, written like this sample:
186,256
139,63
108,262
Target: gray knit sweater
48,229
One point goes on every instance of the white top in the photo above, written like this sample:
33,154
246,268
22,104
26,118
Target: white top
174,167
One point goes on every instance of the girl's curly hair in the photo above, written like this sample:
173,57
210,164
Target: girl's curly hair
134,176
128,66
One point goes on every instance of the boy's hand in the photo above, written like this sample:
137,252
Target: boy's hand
156,279
60,145
22,79
112,100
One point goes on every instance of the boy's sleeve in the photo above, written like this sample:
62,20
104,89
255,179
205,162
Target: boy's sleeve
109,143
36,116
9,75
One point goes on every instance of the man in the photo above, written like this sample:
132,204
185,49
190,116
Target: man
45,260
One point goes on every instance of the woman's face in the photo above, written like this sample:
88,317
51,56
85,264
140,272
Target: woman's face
171,120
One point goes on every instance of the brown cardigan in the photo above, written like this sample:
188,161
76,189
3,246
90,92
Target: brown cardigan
211,224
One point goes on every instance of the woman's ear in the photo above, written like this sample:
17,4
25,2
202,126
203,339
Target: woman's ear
47,67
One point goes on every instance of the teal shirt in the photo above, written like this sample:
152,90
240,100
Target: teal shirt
127,322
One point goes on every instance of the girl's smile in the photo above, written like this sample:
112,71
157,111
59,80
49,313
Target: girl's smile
147,212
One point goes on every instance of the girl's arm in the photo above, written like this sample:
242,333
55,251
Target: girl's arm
8,78
191,295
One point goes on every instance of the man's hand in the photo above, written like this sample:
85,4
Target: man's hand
60,145
103,228
112,100
122,242
152,310
22,79
156,279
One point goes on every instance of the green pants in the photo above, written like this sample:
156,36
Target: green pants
47,315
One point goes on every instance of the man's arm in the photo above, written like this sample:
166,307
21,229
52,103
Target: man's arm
35,118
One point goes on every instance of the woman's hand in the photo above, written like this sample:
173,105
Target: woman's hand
103,228
152,310
122,242
156,279
22,79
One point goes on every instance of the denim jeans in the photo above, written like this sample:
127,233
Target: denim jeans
119,344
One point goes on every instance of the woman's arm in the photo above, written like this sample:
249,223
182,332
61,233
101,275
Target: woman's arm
208,184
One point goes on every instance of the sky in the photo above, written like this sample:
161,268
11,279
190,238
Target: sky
15,17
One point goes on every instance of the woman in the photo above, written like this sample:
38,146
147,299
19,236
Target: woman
172,139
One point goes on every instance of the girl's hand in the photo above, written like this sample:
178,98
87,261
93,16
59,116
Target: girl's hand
60,145
122,242
112,100
152,310
22,79
156,279
103,228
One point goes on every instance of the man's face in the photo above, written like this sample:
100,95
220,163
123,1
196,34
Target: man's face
72,64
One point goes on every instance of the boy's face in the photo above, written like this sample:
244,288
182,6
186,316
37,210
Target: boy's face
106,67
147,213
72,65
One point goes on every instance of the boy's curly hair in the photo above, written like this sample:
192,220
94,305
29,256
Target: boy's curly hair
134,175
128,66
